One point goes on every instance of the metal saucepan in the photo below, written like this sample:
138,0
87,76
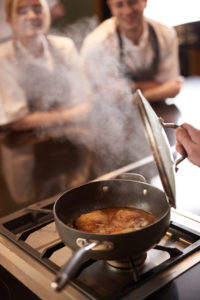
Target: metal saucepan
108,194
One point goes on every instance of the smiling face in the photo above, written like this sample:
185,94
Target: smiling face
29,18
129,13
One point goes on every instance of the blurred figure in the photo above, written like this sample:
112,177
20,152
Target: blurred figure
57,11
41,79
42,86
188,140
131,47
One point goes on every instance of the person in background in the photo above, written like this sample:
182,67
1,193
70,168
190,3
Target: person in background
41,78
44,103
188,140
56,11
130,47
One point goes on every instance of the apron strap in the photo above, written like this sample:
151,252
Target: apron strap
153,68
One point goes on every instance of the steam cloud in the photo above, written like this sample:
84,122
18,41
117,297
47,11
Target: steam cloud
113,129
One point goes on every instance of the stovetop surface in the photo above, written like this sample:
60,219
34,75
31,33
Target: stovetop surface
184,287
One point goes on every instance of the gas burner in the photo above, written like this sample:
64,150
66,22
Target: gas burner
129,264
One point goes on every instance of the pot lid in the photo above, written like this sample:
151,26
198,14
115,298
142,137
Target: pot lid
159,145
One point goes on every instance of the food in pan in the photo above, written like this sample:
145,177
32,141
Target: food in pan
114,220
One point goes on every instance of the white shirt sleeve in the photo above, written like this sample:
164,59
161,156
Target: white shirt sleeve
169,58
13,104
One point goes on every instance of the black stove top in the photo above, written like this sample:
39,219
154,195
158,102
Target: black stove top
182,288
97,279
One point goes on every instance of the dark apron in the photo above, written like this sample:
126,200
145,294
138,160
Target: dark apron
145,74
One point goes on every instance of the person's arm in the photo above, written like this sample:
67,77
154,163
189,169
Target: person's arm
154,91
52,118
167,81
188,139
13,103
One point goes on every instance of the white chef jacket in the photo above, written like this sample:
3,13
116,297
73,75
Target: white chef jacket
101,52
37,84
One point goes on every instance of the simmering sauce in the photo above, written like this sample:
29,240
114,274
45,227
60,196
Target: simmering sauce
114,220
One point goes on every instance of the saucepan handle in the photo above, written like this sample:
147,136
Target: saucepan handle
131,176
174,126
39,210
71,268
178,161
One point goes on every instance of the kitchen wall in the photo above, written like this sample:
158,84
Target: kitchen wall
189,41
77,9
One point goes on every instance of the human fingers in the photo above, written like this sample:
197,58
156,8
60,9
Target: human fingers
183,139
192,149
175,85
180,149
180,79
193,132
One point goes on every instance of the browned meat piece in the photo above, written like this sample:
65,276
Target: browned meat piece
132,219
114,220
92,222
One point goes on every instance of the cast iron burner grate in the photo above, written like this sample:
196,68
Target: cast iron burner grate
96,279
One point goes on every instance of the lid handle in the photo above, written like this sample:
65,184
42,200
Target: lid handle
174,126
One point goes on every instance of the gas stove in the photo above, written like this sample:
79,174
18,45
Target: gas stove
31,250
32,253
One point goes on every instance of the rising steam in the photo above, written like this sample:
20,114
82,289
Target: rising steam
113,127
